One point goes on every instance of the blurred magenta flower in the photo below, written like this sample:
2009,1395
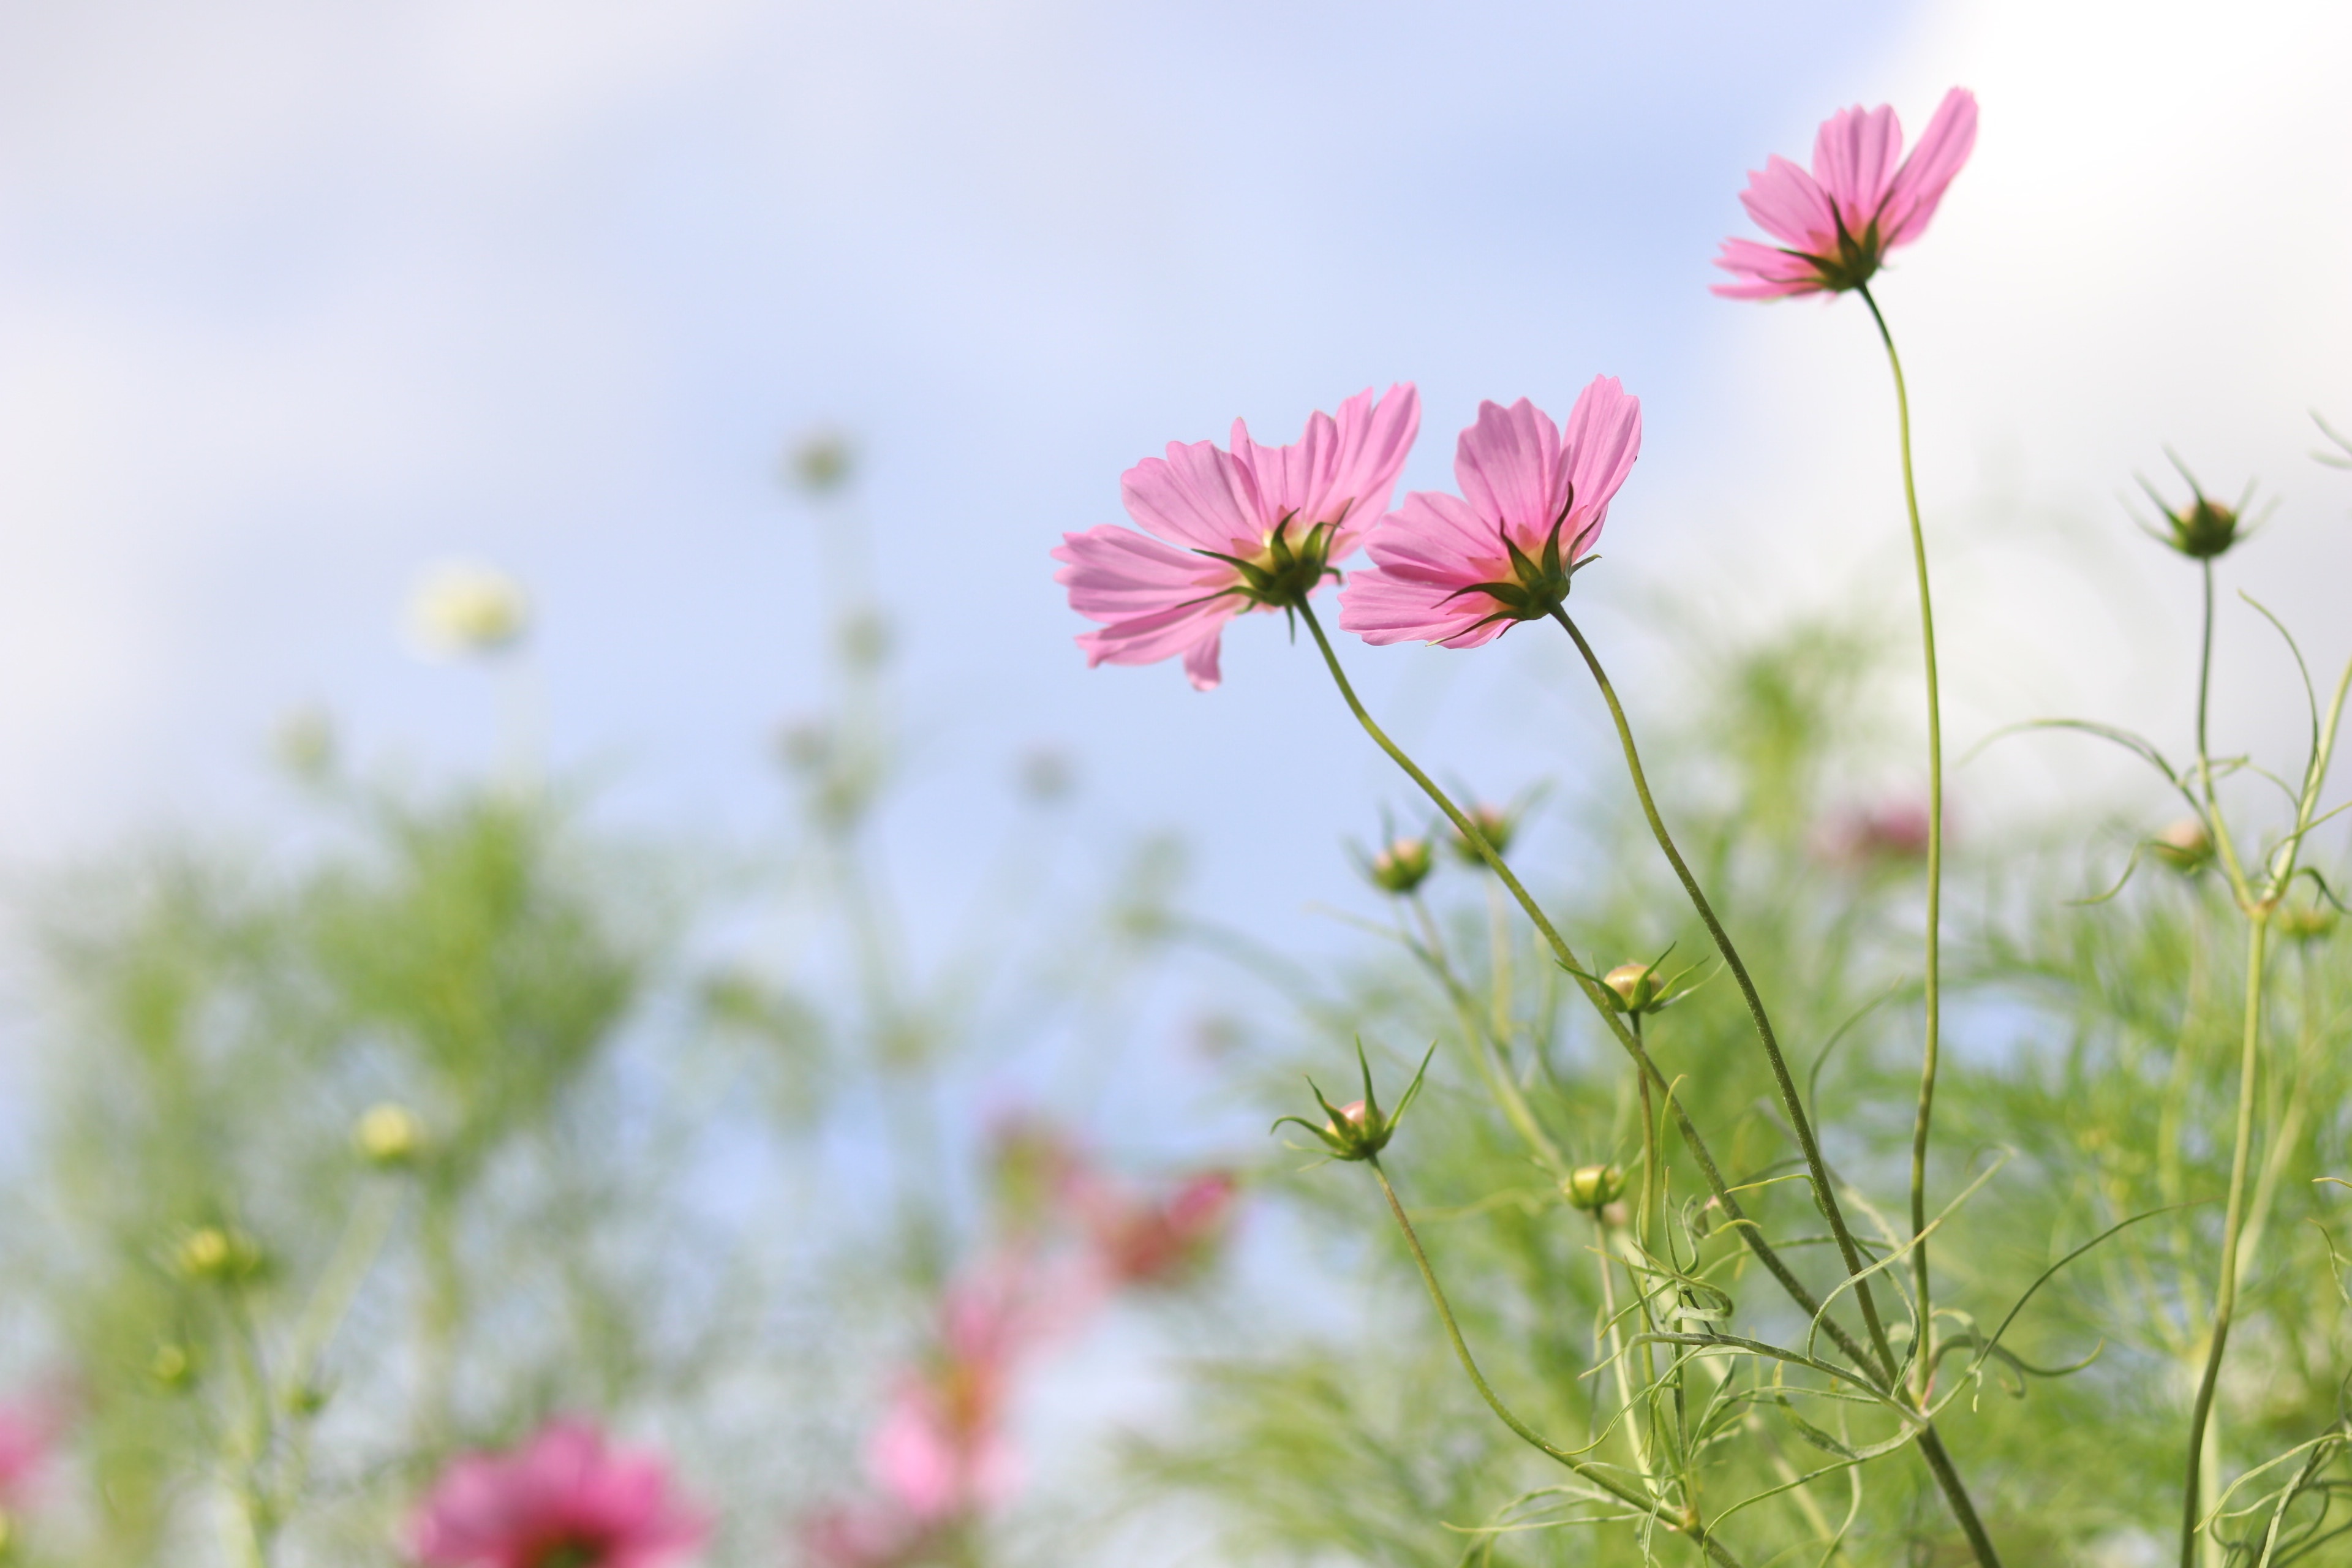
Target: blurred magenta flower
1461,569
563,1500
1837,223
27,1433
1138,1241
1257,527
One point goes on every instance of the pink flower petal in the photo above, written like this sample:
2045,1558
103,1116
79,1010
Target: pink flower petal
1791,206
1197,497
1769,274
1920,184
1508,467
1602,440
1855,156
1155,601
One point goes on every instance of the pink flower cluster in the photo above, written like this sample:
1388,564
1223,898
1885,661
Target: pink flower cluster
565,1499
941,1457
1257,527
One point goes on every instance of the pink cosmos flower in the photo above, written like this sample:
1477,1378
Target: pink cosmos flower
1836,224
1461,569
564,1500
1257,527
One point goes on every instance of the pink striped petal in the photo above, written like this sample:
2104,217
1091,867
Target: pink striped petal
1920,184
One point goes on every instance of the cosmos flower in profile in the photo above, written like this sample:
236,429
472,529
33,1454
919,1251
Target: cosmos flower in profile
1463,570
1862,199
1225,532
565,1499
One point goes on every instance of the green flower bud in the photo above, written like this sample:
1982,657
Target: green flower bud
387,1136
2184,846
2204,528
1636,985
213,1253
1401,868
1495,825
171,1367
2316,922
1593,1188
1359,1130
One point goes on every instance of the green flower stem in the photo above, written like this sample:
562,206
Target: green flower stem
1932,1047
1603,1002
1931,1445
1514,1105
1605,1257
1824,1195
2225,1290
1672,1520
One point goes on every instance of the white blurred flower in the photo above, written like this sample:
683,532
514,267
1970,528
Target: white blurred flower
462,609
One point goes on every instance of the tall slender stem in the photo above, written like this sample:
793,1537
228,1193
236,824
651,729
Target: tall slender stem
1680,1522
1751,1236
2225,1291
1825,1196
1932,1047
1931,1444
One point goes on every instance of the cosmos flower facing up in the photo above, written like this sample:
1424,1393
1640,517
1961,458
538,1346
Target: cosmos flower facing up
1462,570
563,1500
1862,199
1257,528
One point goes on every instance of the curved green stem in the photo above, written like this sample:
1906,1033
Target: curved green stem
2225,1291
1680,1522
1825,1195
1931,1445
1932,1047
1752,1237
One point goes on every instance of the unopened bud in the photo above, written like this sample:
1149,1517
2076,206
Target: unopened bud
1352,1112
1593,1188
2184,846
2203,529
1495,825
171,1367
821,463
388,1135
213,1253
2312,924
463,609
1636,985
1401,868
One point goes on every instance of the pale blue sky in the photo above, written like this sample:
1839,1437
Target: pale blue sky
295,301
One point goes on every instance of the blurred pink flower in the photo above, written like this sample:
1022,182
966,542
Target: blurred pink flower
1138,1241
563,1500
1257,527
1890,831
1837,223
1460,569
26,1436
865,1536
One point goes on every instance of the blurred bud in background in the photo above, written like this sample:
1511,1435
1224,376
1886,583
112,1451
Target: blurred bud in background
820,463
2184,846
1497,824
1885,833
465,610
305,745
1045,776
1404,865
388,1136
